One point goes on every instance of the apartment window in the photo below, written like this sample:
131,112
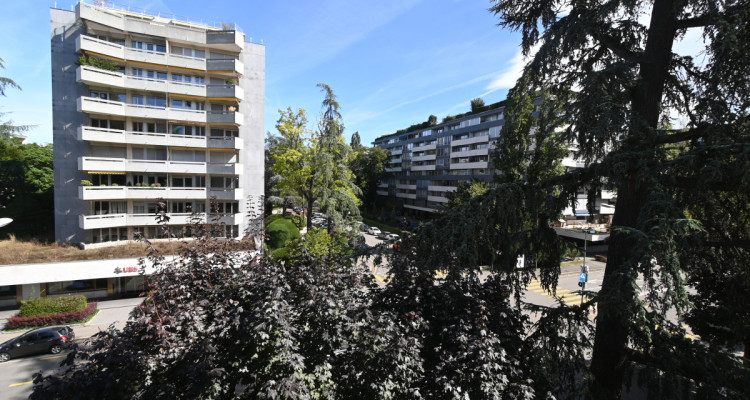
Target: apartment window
153,101
150,153
221,182
188,52
144,207
224,133
225,207
188,155
155,47
76,286
188,78
188,130
153,127
188,104
106,180
109,207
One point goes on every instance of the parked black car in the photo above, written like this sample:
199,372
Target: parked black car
52,339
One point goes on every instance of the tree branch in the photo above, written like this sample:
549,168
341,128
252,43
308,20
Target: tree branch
616,47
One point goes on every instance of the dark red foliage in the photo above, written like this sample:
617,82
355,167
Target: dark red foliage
51,319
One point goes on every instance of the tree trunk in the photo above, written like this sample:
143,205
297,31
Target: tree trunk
617,296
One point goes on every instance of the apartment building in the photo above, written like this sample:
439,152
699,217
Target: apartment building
150,106
429,162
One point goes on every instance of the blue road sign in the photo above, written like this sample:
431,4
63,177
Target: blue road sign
582,278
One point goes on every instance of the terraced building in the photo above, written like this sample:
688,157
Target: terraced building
148,105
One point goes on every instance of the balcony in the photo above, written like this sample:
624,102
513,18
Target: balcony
382,192
224,169
425,157
104,48
395,152
226,193
225,92
93,134
395,160
423,167
106,164
93,105
223,142
470,153
439,199
442,188
218,65
226,40
393,169
224,117
572,163
139,192
100,77
411,187
121,220
406,196
424,147
477,139
469,165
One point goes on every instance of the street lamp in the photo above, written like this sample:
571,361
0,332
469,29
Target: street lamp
584,268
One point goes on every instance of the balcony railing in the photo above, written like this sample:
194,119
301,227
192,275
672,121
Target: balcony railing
94,134
122,220
101,106
140,192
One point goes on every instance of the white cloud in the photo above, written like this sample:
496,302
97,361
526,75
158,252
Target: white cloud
508,77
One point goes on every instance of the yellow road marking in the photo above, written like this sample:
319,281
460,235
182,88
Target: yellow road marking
20,384
51,357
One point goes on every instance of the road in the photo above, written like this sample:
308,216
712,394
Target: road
16,375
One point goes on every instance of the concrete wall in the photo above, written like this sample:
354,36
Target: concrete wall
252,131
65,121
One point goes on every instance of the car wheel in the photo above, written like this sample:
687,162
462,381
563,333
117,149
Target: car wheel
4,357
55,349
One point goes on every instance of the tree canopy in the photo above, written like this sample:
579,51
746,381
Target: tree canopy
607,74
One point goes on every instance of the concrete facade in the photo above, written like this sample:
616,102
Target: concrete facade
428,163
178,114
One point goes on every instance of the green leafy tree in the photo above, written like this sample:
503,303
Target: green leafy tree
605,80
334,189
368,166
477,104
356,142
466,191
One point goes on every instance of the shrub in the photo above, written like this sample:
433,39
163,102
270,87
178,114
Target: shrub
280,232
299,220
69,317
52,305
97,62
600,257
273,218
86,182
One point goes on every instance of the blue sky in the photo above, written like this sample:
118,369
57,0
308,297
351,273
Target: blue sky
391,63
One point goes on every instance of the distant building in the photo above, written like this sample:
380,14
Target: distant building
429,162
165,107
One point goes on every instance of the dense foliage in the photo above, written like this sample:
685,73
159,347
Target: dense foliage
281,231
606,76
52,305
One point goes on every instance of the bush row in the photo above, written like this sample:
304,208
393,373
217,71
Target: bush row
69,317
52,305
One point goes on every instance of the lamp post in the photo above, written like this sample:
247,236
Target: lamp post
584,267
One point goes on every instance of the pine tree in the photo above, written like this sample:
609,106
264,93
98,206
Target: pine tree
606,80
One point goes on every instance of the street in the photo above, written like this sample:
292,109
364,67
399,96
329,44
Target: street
16,375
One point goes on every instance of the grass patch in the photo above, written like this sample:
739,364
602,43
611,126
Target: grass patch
15,251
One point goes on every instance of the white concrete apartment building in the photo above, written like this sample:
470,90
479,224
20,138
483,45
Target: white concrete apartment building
177,115
429,162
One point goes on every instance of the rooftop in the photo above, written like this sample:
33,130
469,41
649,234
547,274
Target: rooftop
161,16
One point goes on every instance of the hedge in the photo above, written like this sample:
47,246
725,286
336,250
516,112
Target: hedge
52,305
280,232
69,317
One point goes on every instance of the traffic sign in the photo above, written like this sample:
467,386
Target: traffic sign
582,277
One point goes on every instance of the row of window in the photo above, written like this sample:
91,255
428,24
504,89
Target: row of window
186,181
161,47
148,232
163,154
174,206
160,101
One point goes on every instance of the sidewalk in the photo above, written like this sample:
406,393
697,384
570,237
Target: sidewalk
110,311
